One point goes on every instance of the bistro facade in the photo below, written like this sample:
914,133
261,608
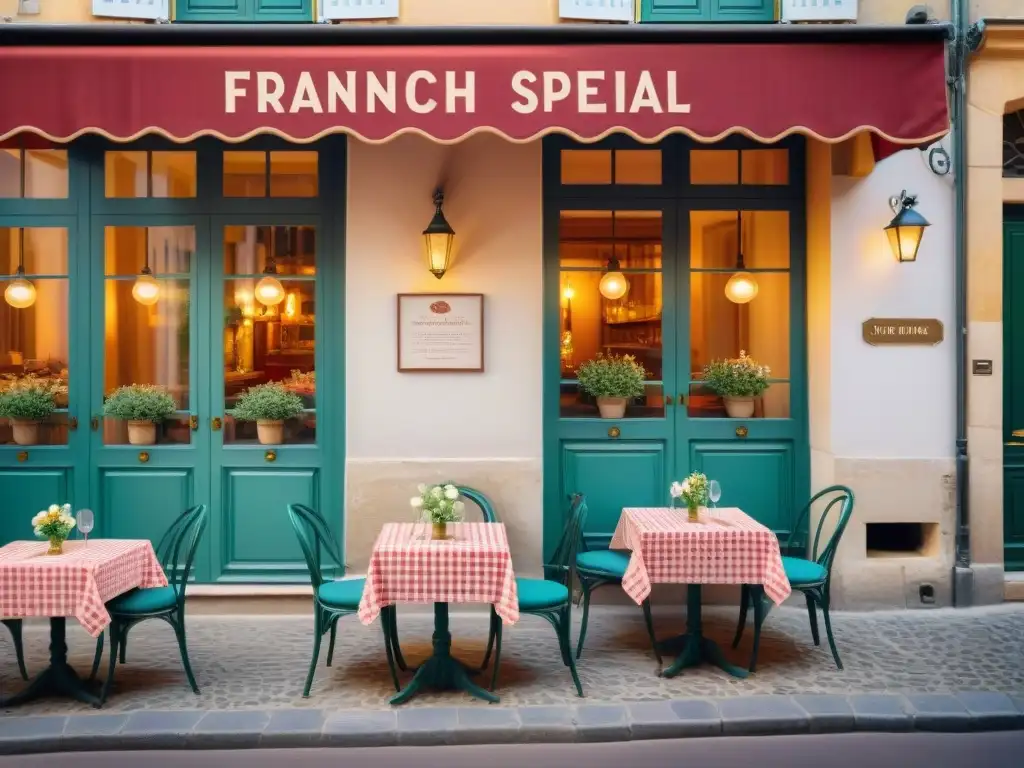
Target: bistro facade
209,219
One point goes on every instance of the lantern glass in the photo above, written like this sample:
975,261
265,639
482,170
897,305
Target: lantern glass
20,293
439,250
905,239
741,288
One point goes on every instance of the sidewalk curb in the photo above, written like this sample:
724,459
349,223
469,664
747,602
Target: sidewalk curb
424,726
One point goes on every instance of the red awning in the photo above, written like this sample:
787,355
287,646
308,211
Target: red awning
763,90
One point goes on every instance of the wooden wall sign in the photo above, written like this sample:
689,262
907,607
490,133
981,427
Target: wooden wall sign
879,331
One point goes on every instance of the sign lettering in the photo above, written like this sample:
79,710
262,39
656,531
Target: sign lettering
927,332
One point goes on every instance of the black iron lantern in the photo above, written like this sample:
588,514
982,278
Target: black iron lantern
438,238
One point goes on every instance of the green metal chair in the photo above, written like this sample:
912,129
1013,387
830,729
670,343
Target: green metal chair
812,576
551,597
598,568
333,599
166,603
14,625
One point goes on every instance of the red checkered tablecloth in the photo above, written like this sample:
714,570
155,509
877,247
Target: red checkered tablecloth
474,566
726,546
76,583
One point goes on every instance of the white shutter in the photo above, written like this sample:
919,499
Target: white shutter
331,10
132,9
819,10
596,10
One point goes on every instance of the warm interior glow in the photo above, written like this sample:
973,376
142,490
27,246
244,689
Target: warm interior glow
613,285
569,292
290,306
269,291
20,294
741,288
905,240
146,290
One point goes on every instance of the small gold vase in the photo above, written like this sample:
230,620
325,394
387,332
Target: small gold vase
56,547
439,531
693,512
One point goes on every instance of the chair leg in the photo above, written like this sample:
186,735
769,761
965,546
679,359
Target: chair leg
491,632
650,628
114,629
386,627
317,636
813,614
97,657
585,588
395,645
330,648
14,625
828,632
742,621
757,595
179,632
123,646
497,654
563,628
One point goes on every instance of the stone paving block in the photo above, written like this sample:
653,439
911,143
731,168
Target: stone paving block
547,724
361,728
698,717
427,726
596,722
939,712
880,712
828,713
160,729
487,725
93,732
991,711
230,729
654,720
294,728
19,735
762,715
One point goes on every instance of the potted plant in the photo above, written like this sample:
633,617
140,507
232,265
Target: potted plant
26,404
438,505
54,524
738,381
614,380
693,492
143,406
269,405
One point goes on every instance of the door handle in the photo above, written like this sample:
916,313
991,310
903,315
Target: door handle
193,422
1017,433
682,399
215,424
668,399
72,423
741,432
94,423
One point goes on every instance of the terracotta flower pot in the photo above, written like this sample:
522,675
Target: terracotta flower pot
739,407
26,431
141,432
612,407
270,432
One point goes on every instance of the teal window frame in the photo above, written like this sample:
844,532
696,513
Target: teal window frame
249,13
707,12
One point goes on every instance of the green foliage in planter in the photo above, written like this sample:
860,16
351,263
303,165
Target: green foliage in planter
139,402
612,376
267,402
31,402
738,377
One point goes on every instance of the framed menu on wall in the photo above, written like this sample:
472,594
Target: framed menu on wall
441,332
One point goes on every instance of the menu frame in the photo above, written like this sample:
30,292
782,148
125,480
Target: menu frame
409,301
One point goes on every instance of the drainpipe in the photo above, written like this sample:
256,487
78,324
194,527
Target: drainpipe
963,575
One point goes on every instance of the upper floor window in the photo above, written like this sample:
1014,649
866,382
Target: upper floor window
1013,144
244,11
705,11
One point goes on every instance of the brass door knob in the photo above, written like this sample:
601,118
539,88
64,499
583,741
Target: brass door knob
614,432
741,431
215,424
94,423
143,456
72,423
668,399
193,422
22,455
270,456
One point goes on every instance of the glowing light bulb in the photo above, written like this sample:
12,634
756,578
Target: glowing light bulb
146,290
20,293
289,306
613,285
569,293
741,288
269,291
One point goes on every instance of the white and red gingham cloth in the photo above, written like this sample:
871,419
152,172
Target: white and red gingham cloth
726,546
475,566
76,583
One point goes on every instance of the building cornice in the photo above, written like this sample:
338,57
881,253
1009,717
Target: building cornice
1001,38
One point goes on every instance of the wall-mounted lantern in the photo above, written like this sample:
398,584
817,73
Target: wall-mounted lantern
20,293
906,228
438,238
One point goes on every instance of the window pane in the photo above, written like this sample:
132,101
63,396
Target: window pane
125,174
586,166
638,166
720,329
46,173
590,238
245,174
247,249
174,174
170,250
765,166
45,250
714,166
293,174
773,404
34,350
722,166
714,237
10,173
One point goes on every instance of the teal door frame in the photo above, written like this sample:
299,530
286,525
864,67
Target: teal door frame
654,451
1013,381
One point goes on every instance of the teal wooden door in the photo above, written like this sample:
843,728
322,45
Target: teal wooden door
1013,386
698,11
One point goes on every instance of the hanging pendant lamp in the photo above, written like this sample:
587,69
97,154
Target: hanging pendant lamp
613,283
269,292
146,290
20,293
742,287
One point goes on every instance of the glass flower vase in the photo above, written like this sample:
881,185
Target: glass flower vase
693,512
56,546
439,531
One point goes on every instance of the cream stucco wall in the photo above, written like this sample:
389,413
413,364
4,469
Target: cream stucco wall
481,430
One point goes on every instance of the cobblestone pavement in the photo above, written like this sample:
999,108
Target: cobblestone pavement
260,662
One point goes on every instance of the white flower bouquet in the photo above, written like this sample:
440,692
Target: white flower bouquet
55,524
439,505
693,492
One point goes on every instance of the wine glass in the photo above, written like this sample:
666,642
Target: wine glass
85,522
714,492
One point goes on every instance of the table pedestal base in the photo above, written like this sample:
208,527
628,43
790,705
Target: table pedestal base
442,671
693,648
58,679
